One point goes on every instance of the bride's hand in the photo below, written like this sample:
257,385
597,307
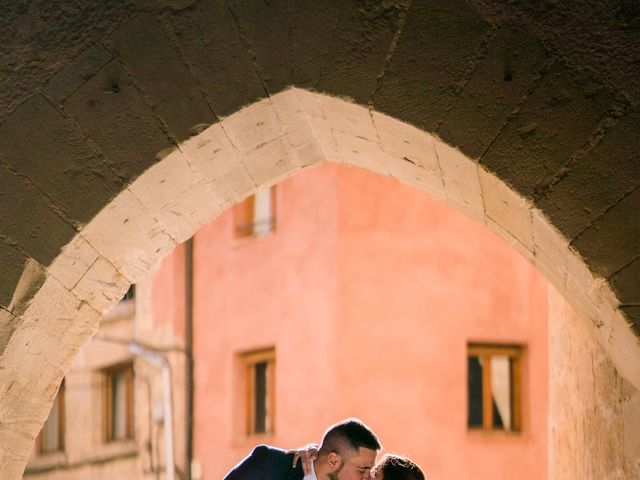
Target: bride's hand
306,455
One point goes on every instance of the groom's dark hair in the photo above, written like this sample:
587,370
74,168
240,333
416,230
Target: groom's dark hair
349,434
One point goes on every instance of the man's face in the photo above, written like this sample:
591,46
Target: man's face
357,465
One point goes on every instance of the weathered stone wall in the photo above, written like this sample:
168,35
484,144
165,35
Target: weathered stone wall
594,414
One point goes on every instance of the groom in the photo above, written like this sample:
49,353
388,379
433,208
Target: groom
347,452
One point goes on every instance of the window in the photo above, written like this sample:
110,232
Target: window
51,438
260,376
118,402
494,383
255,216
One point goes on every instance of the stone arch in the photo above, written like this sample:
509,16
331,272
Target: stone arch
55,309
93,95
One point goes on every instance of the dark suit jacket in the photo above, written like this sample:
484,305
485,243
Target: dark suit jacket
266,463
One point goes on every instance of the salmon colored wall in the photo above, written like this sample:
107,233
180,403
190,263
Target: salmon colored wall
417,281
266,292
369,300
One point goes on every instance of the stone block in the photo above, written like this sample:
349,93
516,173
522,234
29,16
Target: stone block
547,239
41,145
419,84
362,153
13,263
54,328
470,211
309,154
102,285
417,176
190,211
624,349
232,187
579,273
8,324
461,182
211,153
253,126
166,189
555,271
111,110
74,261
577,293
632,314
323,145
77,72
139,241
288,52
344,116
562,97
359,47
492,90
152,56
29,221
31,280
404,141
507,208
611,170
613,240
212,45
53,310
291,113
164,181
510,239
271,162
626,283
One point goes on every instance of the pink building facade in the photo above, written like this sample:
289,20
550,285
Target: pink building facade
368,304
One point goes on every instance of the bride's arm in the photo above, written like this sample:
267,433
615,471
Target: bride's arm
306,455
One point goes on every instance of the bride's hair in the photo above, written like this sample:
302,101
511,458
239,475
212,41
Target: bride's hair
395,467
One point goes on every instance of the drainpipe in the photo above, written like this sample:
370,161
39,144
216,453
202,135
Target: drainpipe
161,362
188,332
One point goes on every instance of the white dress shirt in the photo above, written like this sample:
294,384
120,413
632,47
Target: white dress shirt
312,473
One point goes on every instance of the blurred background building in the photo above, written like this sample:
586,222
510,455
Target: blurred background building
312,301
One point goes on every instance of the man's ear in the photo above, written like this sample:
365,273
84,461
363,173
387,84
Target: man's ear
334,461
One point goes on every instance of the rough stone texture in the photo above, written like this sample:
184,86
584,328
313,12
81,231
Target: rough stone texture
29,221
297,53
443,33
556,120
217,55
601,35
13,263
358,50
600,178
612,241
38,143
563,132
52,329
38,38
625,283
114,114
633,314
77,72
152,56
508,64
594,414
